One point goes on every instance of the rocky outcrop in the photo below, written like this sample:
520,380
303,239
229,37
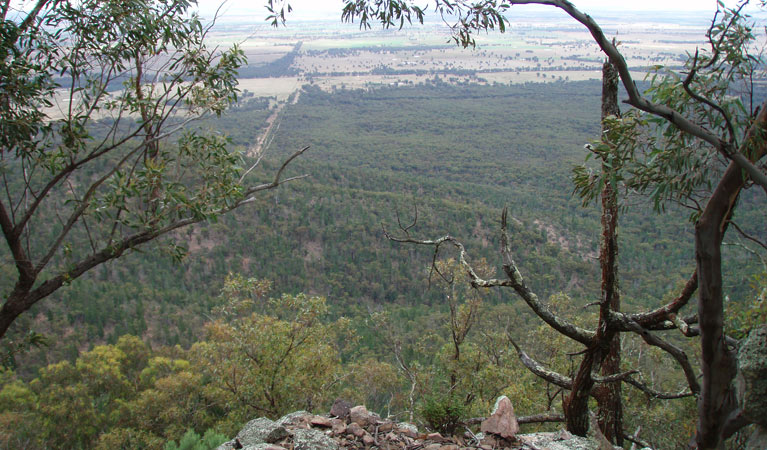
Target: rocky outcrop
752,376
357,429
751,385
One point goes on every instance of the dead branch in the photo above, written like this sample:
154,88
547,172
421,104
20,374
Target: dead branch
614,378
658,394
535,418
517,283
538,368
635,439
678,354
660,314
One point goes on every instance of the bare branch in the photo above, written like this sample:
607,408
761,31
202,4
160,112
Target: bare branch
749,237
677,353
635,439
614,378
658,394
518,284
276,182
539,370
541,418
535,418
660,314
415,220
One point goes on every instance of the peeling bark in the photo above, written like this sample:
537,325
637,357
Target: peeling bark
610,406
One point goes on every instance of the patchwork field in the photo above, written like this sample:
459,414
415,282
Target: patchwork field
536,47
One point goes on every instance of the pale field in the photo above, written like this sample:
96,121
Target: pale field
281,88
533,49
548,49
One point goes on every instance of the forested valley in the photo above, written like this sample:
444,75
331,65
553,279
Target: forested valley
453,155
188,289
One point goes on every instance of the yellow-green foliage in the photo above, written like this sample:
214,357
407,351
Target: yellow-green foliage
270,364
262,357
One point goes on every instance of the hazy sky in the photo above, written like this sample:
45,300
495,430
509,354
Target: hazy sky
308,9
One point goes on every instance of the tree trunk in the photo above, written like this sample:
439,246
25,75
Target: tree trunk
604,351
576,405
718,362
610,406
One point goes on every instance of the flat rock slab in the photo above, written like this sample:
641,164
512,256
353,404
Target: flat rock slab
312,440
555,441
261,431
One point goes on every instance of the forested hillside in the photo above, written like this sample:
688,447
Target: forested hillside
457,154
193,240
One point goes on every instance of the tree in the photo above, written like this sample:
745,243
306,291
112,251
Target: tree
700,122
98,153
269,356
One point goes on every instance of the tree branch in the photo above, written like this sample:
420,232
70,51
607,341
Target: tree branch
518,284
535,418
658,394
638,101
33,14
539,370
276,182
22,298
660,314
674,351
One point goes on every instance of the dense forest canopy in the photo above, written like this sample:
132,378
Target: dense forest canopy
163,315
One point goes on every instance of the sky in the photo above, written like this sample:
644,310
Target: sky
312,9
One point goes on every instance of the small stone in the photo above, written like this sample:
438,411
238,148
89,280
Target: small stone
298,418
261,430
312,440
432,447
264,447
502,421
338,426
490,440
319,421
355,429
359,415
385,427
391,437
435,437
564,435
450,447
408,429
340,408
368,440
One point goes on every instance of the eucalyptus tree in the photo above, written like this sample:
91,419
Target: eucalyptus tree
710,148
99,152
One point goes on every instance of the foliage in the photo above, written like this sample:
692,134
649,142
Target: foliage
269,363
193,441
12,347
443,412
716,89
98,153
744,316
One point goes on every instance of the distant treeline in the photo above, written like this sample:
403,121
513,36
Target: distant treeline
375,49
281,67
